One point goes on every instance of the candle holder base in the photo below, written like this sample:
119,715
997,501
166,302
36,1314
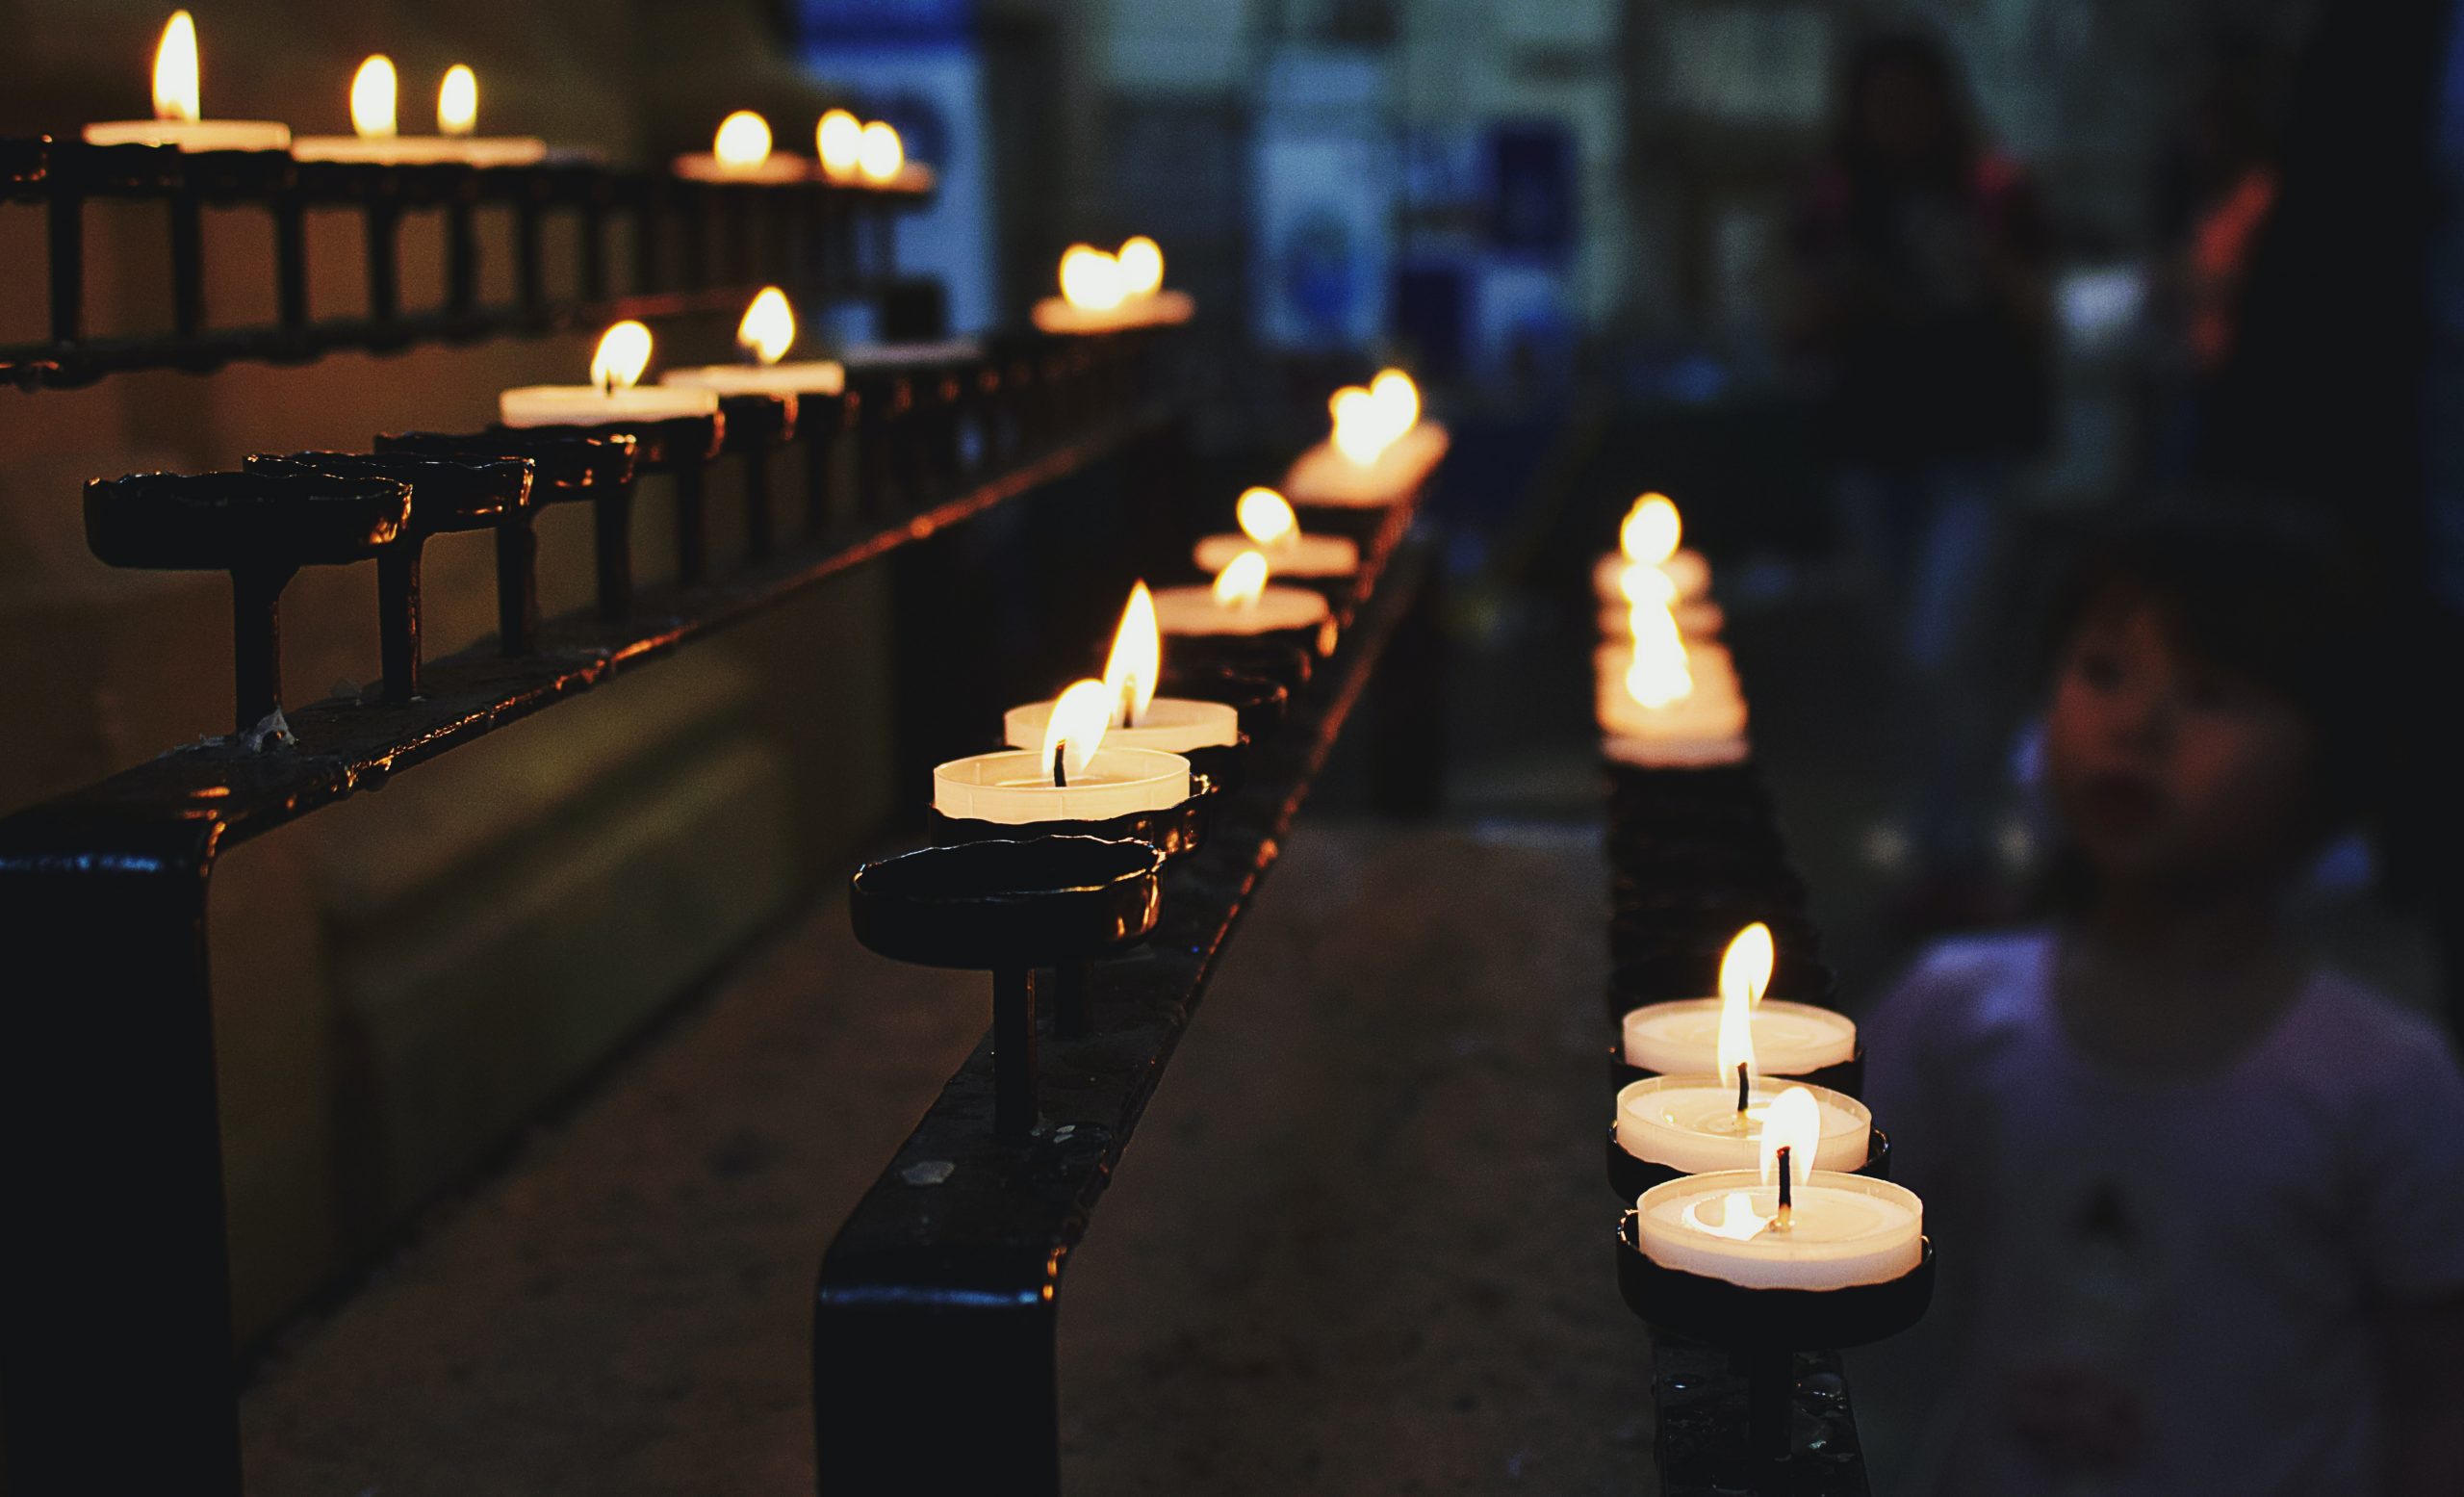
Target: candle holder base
1286,663
1848,1077
1630,1176
1175,831
1718,1314
1259,701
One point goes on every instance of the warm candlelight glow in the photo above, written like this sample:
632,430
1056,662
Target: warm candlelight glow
1267,517
1076,729
1746,966
1736,1036
1136,661
1242,581
1141,266
1650,531
175,71
1738,1221
769,326
458,101
839,139
743,141
1793,1121
1645,586
879,153
624,352
1091,279
1399,398
373,89
1360,426
1659,674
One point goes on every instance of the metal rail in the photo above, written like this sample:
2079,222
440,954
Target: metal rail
938,1301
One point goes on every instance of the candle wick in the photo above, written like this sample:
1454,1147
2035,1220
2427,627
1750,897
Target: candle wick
1129,701
1060,769
607,384
1788,1182
1744,1088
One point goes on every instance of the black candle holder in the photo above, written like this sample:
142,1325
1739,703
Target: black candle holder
1260,701
566,466
1361,523
755,423
1008,907
1763,1330
1697,873
682,446
1628,1176
259,527
447,494
1287,662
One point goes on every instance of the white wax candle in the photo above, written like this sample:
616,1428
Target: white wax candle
1700,619
193,135
1016,788
1845,1231
1682,1037
1677,751
1690,1124
402,150
803,377
1323,475
777,166
1194,610
1175,725
1686,570
587,405
1714,709
1297,555
1162,309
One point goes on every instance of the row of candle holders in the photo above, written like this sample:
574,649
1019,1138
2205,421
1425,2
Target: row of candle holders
1703,900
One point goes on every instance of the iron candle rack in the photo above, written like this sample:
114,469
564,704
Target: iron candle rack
821,239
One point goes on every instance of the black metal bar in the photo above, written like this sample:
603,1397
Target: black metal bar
188,265
1717,1424
761,537
66,244
1013,1053
935,1310
516,585
256,642
692,526
398,617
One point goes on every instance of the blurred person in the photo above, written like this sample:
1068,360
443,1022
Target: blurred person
1922,307
2202,1203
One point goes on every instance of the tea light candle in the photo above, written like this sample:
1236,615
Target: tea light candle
1692,1123
612,394
1648,537
1268,524
767,332
1241,603
1104,293
1784,1223
1138,718
740,152
178,116
1324,476
1074,776
1682,1037
457,122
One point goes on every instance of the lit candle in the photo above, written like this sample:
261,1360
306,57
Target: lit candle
1663,703
1692,1125
1138,718
1105,293
1682,1038
614,393
375,136
879,154
1269,525
1783,1222
765,334
1071,776
740,152
1648,587
178,115
1648,537
457,120
1240,602
1378,449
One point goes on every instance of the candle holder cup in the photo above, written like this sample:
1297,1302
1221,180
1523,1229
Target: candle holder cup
259,527
448,495
1008,907
1286,663
1630,1175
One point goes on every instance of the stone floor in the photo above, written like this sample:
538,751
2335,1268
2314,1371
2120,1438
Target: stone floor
1358,1245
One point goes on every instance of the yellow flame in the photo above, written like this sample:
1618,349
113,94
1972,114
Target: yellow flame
1738,1221
1076,726
769,326
840,142
1736,1035
1141,266
743,140
373,89
1650,531
1794,1121
1091,279
175,71
624,352
1399,398
1267,517
1243,580
1659,674
878,155
1646,585
1360,425
1746,966
1136,661
458,101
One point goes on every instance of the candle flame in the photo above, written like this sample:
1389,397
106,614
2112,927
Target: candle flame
743,140
1745,967
458,101
1399,398
1076,728
1647,585
624,352
1136,661
839,139
1736,1034
1242,581
1738,1221
1141,266
769,326
1267,517
1650,531
1360,424
1091,279
374,91
175,70
1659,675
1792,1121
879,154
